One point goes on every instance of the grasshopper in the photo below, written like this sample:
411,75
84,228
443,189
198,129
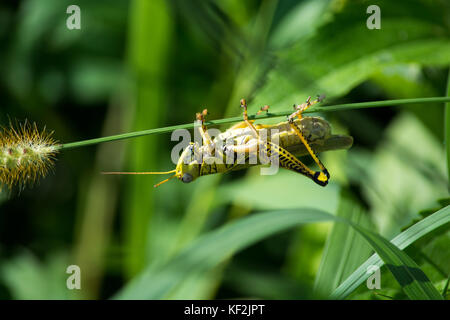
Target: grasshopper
298,136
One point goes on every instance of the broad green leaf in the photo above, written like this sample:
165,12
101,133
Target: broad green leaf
343,52
213,248
403,240
301,21
408,274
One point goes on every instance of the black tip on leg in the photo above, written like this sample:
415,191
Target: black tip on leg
321,182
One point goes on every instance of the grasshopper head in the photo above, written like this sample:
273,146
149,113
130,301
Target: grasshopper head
188,167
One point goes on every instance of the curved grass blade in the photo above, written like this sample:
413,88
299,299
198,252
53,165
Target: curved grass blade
214,247
408,274
403,240
344,250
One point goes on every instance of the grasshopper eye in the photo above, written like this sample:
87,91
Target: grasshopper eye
186,178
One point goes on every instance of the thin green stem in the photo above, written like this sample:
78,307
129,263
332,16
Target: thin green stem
347,106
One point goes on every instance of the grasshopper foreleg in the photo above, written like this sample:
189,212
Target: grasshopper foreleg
207,141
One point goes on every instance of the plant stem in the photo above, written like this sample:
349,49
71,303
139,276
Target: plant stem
347,106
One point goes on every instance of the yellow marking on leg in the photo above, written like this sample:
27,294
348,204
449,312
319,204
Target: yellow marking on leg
290,162
306,143
319,177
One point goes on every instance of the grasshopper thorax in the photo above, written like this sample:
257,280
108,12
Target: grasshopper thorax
314,128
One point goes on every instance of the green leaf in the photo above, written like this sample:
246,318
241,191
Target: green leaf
343,53
29,278
401,241
299,22
344,251
407,273
147,59
213,248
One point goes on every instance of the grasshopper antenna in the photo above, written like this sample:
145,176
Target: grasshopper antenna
135,173
164,181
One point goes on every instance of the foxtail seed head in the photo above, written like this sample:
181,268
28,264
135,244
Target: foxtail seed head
26,154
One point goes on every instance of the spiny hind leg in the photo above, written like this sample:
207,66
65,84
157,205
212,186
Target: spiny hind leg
322,176
290,162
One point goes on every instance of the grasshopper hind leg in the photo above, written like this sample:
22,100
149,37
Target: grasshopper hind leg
290,162
286,159
319,177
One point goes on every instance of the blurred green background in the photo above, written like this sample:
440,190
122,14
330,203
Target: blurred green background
143,64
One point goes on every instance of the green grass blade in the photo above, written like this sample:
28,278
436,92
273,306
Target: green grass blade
213,248
408,274
344,251
146,61
401,241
